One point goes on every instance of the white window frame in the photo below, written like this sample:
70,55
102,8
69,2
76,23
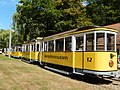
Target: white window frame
80,35
64,49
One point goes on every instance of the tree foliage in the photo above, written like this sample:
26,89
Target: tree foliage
103,12
40,18
4,38
45,17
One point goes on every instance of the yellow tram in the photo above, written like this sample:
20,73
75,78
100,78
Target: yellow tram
88,50
31,49
16,52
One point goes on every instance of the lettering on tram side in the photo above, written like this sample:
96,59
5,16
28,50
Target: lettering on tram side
56,57
89,59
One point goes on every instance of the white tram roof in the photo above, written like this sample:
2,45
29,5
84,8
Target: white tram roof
39,39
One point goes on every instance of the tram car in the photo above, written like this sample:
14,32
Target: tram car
30,50
16,52
88,50
6,51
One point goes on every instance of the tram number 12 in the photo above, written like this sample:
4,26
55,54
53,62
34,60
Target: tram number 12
89,59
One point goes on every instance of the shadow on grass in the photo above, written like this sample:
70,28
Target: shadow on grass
90,79
84,78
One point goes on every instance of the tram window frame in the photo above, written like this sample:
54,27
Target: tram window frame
99,41
45,46
23,48
68,43
20,49
26,48
90,41
110,47
16,49
51,45
34,47
59,46
81,46
37,47
41,46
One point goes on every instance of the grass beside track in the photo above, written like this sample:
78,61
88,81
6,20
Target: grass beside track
18,75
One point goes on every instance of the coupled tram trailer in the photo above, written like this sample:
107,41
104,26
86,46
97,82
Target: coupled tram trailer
89,50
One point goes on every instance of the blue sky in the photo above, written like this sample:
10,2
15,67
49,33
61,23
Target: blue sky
7,9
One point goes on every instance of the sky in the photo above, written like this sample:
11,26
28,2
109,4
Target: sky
7,9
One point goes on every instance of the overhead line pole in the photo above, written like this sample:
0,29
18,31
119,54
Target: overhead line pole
10,40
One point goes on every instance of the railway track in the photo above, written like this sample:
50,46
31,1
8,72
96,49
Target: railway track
115,81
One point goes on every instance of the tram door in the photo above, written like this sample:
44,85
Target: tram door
79,53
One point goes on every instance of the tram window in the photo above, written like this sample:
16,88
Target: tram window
34,47
79,43
59,44
38,46
19,49
31,47
23,48
110,42
41,46
26,47
68,42
89,42
100,41
45,46
51,45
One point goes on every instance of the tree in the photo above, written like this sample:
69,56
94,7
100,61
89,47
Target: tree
103,12
4,38
35,18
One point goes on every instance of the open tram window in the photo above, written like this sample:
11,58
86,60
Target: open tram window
38,46
68,41
51,45
110,42
20,49
45,46
59,44
17,49
79,43
34,47
100,41
41,46
90,42
23,48
28,47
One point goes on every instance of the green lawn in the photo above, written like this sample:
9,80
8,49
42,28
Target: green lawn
18,75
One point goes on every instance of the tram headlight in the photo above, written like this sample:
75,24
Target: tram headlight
111,63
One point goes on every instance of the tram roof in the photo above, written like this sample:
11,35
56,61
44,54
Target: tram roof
80,30
34,40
